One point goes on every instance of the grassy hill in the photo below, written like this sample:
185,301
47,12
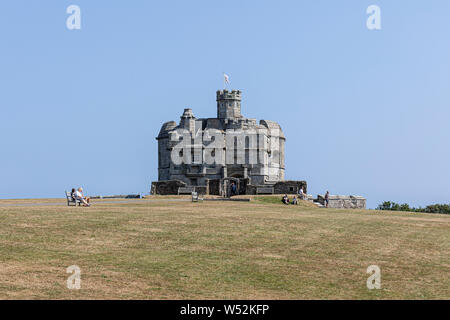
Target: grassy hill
169,249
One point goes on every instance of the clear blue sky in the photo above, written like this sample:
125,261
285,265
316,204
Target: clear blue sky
364,112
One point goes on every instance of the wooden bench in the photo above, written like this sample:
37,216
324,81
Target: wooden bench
71,200
185,190
195,197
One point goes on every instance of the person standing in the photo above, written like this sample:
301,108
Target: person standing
233,189
327,196
301,194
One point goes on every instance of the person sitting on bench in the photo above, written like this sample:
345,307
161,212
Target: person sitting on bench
79,196
72,194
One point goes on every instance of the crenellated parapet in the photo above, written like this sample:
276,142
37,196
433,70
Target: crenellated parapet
229,104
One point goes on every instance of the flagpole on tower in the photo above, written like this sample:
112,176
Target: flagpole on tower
226,79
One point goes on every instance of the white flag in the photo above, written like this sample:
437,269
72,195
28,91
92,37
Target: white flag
226,78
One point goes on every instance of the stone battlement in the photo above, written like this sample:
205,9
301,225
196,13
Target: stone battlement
229,95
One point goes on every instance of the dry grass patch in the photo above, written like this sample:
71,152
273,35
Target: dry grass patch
221,250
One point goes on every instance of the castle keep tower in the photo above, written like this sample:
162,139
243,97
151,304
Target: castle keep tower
229,104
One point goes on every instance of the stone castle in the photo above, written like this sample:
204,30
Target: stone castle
208,155
247,153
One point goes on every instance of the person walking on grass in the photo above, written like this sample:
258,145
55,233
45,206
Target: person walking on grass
327,196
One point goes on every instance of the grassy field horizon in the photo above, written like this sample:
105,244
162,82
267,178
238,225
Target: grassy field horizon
219,250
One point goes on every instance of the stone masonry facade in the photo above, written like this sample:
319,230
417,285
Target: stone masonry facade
264,142
209,155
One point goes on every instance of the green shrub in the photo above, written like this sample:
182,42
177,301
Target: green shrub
435,208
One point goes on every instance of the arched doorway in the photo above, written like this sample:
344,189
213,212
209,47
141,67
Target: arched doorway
225,186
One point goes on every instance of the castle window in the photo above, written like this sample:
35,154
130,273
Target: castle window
247,151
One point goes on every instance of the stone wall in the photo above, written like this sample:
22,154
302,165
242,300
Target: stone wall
289,187
282,187
343,202
201,190
166,187
214,187
170,187
250,189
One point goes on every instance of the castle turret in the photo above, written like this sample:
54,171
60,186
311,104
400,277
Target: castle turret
187,120
229,104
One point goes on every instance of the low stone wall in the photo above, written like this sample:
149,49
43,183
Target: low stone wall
250,189
128,196
282,187
289,187
343,202
168,187
201,190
